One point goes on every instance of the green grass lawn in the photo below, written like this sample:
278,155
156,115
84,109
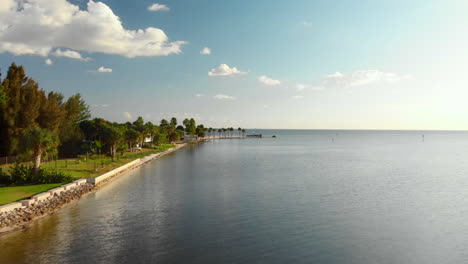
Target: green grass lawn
84,168
16,193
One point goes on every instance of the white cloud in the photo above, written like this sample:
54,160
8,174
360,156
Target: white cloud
300,87
224,97
48,62
35,27
69,54
307,23
205,51
158,7
103,70
268,81
128,116
199,95
297,97
361,78
224,70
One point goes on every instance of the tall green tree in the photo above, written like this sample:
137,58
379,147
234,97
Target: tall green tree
131,137
3,97
21,110
75,111
112,136
174,122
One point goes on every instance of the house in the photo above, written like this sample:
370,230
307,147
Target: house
187,137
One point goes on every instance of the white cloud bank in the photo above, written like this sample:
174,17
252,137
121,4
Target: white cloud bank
103,69
205,51
361,78
224,97
69,54
158,7
35,27
268,81
224,70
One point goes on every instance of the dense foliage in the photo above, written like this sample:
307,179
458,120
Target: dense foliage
22,174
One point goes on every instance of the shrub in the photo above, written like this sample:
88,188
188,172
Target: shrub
21,175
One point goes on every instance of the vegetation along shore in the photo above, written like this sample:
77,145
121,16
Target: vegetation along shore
47,140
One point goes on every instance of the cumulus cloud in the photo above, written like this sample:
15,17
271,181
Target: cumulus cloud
158,7
69,54
224,70
205,51
103,69
36,27
361,78
224,97
268,81
48,62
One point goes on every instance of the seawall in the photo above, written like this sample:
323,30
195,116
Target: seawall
17,215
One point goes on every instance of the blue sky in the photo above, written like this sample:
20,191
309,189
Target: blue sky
274,64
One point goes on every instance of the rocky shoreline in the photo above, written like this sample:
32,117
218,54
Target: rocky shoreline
19,218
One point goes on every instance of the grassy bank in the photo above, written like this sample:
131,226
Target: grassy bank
12,194
78,168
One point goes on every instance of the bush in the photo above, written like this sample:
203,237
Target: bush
52,176
21,175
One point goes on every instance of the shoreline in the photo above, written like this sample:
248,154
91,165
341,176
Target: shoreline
19,218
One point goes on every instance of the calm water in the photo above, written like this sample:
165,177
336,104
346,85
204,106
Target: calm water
304,197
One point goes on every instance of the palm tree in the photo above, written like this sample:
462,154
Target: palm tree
39,140
243,132
239,131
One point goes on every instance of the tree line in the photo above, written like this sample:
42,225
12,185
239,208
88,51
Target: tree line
35,124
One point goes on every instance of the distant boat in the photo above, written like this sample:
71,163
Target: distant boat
255,135
273,136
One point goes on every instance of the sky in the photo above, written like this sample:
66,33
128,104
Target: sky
300,64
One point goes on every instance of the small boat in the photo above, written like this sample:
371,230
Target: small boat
274,136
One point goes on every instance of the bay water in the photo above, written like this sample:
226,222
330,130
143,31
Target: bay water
306,196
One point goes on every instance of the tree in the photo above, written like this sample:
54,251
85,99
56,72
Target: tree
3,96
51,114
21,109
200,131
174,122
239,131
111,137
39,141
243,132
76,112
131,137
